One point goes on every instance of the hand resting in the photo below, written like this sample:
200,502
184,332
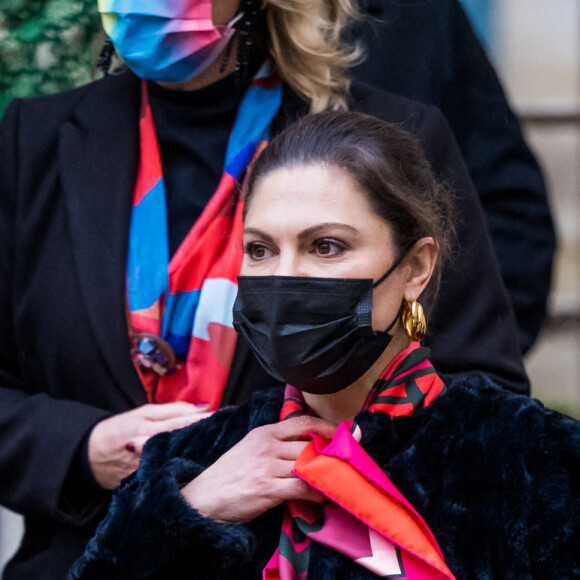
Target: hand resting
256,474
115,444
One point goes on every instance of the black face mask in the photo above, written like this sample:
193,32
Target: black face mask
313,333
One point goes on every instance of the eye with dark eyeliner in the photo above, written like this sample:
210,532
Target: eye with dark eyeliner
329,247
257,251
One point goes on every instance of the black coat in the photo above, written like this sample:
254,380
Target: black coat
67,170
426,50
494,475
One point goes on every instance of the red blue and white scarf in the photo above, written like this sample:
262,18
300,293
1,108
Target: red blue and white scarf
365,517
187,300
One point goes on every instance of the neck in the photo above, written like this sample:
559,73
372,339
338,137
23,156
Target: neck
215,72
346,403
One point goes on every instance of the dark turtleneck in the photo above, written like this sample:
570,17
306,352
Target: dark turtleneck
193,128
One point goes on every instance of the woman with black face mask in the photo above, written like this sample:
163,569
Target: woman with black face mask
366,464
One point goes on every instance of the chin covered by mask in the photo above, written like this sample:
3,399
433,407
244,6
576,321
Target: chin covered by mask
161,40
313,333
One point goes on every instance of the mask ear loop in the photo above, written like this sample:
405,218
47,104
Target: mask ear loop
396,319
228,50
389,271
384,277
394,266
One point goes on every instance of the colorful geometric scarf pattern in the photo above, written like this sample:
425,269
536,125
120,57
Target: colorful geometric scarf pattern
366,518
187,300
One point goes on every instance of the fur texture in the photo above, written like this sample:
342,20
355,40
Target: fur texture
496,476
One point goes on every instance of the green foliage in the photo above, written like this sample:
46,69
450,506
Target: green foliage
46,46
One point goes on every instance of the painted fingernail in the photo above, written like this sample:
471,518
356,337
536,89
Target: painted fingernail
130,446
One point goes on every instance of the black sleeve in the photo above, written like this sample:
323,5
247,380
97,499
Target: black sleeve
427,51
554,532
152,532
39,435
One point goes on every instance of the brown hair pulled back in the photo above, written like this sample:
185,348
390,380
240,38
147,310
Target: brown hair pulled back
388,165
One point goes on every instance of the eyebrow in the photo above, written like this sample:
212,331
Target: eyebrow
308,232
258,233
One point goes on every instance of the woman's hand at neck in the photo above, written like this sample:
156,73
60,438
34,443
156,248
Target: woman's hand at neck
345,404
215,72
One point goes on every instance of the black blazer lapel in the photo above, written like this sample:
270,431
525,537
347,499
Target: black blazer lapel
98,155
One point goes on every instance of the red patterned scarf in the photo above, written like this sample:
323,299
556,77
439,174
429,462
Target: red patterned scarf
182,336
365,517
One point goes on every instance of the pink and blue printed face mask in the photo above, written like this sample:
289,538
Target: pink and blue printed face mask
165,40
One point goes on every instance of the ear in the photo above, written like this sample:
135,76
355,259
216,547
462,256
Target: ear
421,261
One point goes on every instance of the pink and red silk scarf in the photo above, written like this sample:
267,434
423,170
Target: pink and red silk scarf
365,516
187,300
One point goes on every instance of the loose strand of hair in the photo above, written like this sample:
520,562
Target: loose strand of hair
306,43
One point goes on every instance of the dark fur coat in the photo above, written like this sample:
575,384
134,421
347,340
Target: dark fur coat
496,476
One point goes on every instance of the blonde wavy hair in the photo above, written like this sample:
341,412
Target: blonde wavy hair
305,40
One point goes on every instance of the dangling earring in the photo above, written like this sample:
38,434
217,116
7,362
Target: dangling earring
246,32
109,62
413,320
106,56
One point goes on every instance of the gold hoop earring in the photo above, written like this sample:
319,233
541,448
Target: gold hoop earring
413,320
